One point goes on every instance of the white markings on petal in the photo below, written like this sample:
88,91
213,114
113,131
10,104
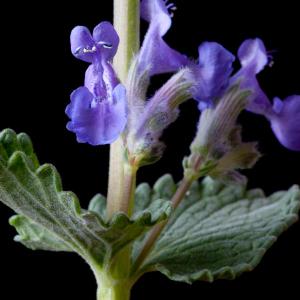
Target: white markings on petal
88,50
105,45
170,8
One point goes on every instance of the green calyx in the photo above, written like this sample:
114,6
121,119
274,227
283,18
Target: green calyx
218,144
148,118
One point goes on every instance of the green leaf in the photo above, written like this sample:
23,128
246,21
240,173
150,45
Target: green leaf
98,206
146,197
36,237
52,219
122,230
220,231
164,188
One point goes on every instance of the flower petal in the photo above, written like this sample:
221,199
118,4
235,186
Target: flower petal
253,57
285,121
156,11
117,117
259,103
212,73
101,79
155,52
93,80
106,36
96,122
81,40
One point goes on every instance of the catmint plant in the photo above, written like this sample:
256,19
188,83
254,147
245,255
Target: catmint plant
209,225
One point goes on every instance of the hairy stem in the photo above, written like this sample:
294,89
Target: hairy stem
156,231
127,24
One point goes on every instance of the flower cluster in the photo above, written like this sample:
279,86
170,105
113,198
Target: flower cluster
103,109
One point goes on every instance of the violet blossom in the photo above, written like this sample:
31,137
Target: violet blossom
98,111
284,116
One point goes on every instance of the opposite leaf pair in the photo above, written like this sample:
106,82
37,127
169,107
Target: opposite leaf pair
217,231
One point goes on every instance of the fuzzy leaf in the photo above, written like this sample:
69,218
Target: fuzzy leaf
36,237
220,231
164,188
98,206
51,219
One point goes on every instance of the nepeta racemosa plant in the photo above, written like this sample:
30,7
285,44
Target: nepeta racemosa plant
193,230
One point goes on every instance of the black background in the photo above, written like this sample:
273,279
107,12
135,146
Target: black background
38,74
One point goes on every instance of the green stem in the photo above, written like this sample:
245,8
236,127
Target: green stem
129,188
127,24
115,180
113,291
113,283
184,186
156,231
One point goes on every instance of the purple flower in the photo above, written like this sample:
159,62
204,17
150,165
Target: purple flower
212,77
284,116
215,67
212,73
285,121
155,53
98,111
